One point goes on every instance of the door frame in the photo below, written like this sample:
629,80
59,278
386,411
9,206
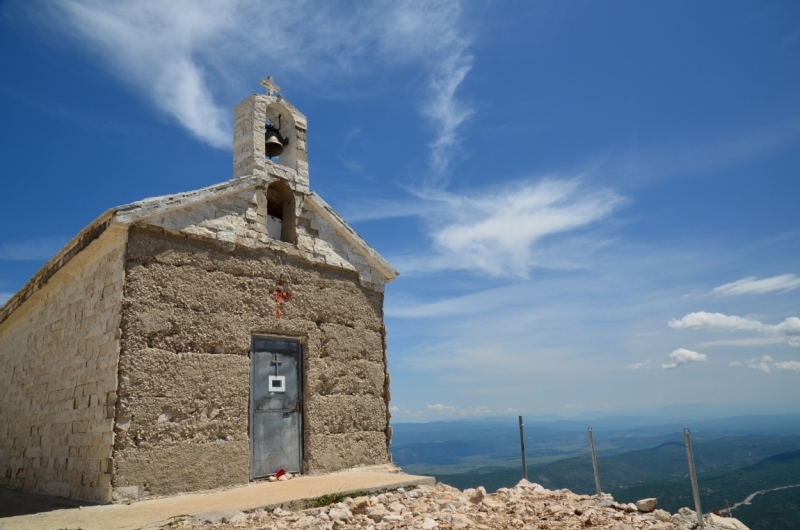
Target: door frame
302,392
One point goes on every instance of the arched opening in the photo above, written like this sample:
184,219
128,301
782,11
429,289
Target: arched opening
280,118
274,141
280,212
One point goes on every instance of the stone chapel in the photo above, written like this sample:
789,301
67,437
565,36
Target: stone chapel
201,339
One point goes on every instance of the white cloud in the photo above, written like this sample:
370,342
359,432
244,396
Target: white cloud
682,357
447,112
185,56
499,232
751,285
4,297
762,364
760,341
791,329
716,321
766,364
41,249
402,411
787,331
644,365
457,411
788,365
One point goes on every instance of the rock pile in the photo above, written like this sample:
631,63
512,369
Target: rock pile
526,506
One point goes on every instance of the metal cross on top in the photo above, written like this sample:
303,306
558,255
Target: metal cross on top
270,85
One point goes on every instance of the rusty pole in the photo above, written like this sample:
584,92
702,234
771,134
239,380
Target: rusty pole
522,445
594,464
693,477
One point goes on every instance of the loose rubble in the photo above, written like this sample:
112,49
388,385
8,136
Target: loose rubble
527,506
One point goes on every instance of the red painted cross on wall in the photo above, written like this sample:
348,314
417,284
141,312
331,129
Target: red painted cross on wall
280,296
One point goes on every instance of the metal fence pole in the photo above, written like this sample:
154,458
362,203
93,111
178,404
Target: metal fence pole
522,445
594,464
693,476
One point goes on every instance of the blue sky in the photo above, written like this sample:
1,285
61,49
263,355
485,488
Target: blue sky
593,206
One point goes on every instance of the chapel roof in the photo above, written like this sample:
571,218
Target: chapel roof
140,211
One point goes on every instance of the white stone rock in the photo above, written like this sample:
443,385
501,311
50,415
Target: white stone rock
235,518
429,524
125,493
458,520
726,523
662,515
340,514
377,515
478,496
647,505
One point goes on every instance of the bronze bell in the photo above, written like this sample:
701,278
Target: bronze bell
274,142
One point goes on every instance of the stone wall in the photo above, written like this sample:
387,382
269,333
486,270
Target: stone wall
190,310
58,353
239,220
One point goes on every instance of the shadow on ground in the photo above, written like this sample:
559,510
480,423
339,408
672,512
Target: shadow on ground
15,502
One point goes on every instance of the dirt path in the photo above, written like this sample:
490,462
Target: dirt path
753,495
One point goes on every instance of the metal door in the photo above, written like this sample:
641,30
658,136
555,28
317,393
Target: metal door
276,413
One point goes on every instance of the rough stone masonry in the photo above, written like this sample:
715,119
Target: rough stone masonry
126,359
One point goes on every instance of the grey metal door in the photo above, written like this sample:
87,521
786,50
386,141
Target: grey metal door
276,414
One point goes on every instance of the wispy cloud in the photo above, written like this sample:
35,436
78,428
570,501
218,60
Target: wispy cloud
40,249
762,364
458,411
429,33
751,285
788,365
766,364
682,357
499,232
644,365
788,330
447,112
705,151
759,341
187,56
4,297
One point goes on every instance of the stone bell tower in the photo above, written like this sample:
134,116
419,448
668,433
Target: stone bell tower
251,117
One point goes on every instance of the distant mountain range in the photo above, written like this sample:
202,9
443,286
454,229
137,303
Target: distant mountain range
493,444
638,457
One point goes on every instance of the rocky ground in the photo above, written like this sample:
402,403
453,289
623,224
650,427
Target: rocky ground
527,506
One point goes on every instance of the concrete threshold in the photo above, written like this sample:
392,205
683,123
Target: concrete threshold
156,512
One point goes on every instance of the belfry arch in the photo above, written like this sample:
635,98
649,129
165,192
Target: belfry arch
280,118
280,216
